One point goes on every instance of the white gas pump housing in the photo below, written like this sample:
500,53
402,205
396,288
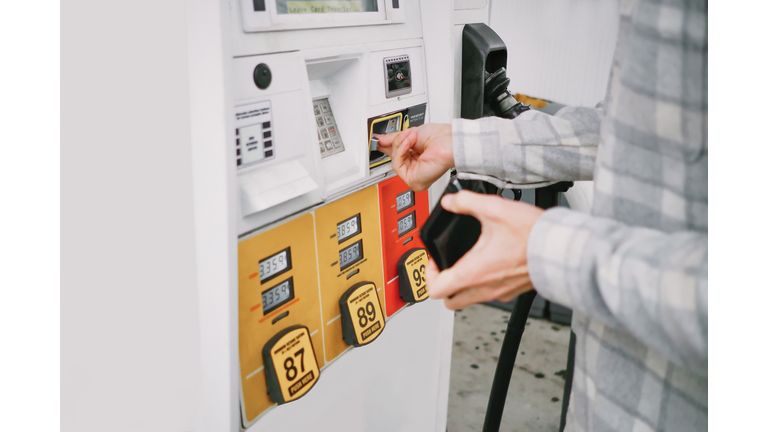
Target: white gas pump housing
283,154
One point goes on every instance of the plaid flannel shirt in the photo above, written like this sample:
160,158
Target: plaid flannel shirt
635,271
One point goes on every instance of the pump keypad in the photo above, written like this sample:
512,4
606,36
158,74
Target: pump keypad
327,135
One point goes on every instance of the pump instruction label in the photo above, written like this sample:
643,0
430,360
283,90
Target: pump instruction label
254,140
290,364
363,318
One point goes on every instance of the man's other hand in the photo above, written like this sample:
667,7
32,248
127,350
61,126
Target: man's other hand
496,268
420,155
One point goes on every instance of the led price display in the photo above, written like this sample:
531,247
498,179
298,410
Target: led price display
406,223
277,295
348,228
351,254
274,265
405,200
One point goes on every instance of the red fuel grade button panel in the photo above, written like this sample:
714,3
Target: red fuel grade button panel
403,213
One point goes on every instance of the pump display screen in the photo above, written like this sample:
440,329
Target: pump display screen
278,263
405,200
277,295
348,228
406,223
325,6
351,254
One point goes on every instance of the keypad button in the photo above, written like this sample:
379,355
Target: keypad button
329,120
320,122
337,143
324,133
317,110
322,148
326,108
333,132
328,146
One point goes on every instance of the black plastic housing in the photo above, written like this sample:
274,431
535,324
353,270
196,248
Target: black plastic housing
448,236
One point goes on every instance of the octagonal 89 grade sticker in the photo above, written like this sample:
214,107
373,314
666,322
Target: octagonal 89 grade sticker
362,319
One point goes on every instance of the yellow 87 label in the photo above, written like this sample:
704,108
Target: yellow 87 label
412,268
362,319
290,364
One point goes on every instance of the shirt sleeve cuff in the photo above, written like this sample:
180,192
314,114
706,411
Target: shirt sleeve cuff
470,139
556,247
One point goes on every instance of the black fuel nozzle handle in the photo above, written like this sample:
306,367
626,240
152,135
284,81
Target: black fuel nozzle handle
499,101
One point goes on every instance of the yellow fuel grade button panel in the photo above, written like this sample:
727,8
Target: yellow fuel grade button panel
362,319
412,271
278,289
290,364
349,252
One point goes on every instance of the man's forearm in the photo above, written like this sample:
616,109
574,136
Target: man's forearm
649,283
530,149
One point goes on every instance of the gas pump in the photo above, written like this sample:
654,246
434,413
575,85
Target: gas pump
330,309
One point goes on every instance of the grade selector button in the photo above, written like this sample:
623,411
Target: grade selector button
362,318
412,268
290,364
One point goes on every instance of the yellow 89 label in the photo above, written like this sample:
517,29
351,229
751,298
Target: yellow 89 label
412,268
290,364
362,319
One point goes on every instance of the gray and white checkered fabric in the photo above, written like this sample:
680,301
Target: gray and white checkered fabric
635,271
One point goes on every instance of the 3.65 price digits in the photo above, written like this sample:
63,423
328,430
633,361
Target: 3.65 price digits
366,315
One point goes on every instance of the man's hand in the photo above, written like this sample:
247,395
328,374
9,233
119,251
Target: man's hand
420,155
496,268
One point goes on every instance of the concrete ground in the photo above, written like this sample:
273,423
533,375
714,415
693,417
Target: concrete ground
535,393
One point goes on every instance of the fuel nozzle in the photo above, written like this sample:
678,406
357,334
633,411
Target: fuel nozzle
498,100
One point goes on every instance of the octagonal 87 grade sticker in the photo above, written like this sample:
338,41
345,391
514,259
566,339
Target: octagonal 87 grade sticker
290,364
362,320
412,269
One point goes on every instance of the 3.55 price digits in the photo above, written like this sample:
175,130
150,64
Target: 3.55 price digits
366,315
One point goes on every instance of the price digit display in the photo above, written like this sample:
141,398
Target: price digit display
406,224
275,265
349,228
290,364
405,200
351,254
412,271
361,315
278,295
